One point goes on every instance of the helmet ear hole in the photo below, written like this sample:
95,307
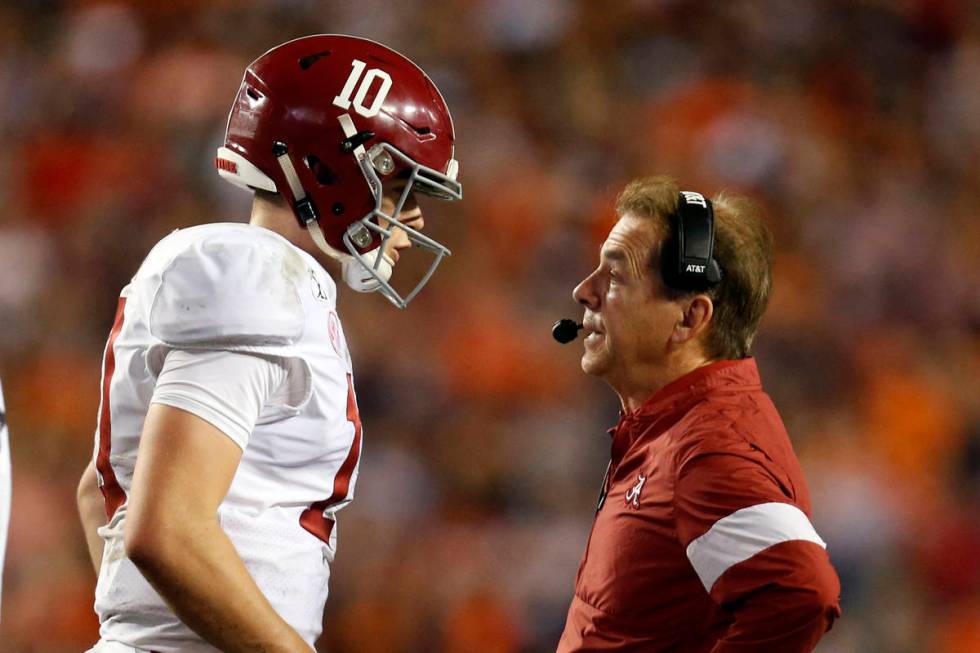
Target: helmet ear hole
325,176
254,95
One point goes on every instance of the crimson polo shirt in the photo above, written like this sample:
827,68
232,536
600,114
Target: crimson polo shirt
703,540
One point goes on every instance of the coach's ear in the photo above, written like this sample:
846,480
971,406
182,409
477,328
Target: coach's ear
695,318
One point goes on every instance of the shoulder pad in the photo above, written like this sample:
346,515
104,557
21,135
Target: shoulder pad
231,289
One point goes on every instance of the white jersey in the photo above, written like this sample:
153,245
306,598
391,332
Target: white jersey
5,484
236,288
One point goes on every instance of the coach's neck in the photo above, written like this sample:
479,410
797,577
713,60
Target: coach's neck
645,379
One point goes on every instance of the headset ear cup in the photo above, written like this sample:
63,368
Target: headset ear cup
674,277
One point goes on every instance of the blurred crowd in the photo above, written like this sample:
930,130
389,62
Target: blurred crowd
855,124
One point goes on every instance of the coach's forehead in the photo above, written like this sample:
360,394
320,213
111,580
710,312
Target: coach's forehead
631,240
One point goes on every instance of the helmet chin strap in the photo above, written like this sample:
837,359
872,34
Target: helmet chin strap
313,227
355,275
353,271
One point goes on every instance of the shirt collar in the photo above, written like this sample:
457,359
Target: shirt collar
668,404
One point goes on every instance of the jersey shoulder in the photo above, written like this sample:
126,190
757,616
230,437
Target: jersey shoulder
736,442
225,285
710,429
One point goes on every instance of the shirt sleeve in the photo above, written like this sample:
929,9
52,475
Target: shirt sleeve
756,553
225,388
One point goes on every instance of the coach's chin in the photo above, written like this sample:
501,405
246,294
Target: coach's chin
702,539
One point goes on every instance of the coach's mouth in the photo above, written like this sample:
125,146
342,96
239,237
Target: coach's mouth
593,340
593,335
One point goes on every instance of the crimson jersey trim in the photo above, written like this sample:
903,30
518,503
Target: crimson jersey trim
313,519
112,493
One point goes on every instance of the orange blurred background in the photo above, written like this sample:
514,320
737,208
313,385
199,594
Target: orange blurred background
856,124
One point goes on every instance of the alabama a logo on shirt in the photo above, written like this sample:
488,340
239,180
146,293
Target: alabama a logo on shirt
633,494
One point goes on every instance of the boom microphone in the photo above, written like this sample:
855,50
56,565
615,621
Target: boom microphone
565,330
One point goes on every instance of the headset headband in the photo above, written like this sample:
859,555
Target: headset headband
689,262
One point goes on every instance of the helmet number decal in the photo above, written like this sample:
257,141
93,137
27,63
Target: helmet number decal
344,99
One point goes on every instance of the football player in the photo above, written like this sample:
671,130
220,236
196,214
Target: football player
228,435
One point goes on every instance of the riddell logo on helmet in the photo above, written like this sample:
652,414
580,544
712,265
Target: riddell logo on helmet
225,164
694,268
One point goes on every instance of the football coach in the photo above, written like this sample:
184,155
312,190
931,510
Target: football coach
702,538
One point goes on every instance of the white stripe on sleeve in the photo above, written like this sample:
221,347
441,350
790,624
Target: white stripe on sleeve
742,534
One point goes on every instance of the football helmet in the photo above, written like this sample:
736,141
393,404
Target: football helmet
324,120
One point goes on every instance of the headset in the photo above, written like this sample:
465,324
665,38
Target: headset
687,259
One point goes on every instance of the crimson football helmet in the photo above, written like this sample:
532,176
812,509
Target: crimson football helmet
323,120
